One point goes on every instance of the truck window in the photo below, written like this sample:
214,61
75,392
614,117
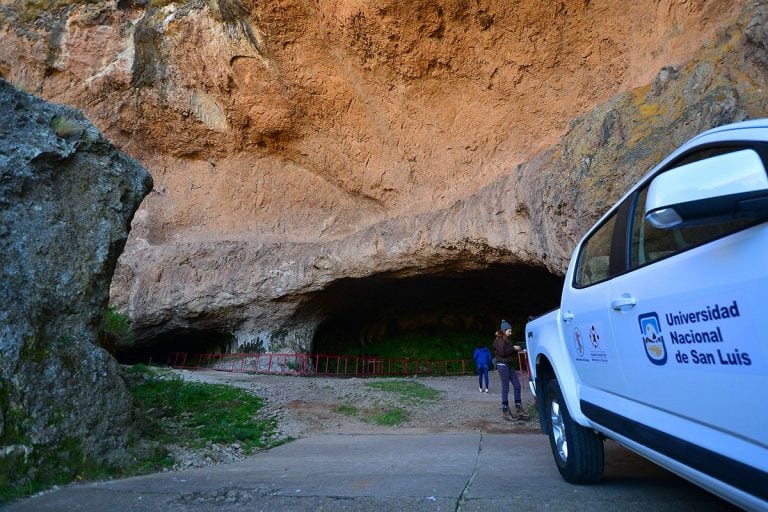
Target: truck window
594,258
649,244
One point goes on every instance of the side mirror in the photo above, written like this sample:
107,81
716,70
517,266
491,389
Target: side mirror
728,186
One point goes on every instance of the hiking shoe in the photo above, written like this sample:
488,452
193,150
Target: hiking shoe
521,413
506,412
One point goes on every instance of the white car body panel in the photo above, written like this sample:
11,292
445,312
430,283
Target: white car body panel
670,357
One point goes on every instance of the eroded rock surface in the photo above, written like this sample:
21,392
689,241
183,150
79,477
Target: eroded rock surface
297,145
67,197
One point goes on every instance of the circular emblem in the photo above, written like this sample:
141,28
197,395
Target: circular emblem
578,340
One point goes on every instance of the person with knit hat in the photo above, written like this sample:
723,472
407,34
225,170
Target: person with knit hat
505,352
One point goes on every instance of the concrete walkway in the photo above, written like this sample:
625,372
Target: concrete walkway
396,472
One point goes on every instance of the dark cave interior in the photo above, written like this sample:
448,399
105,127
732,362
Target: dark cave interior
190,341
356,313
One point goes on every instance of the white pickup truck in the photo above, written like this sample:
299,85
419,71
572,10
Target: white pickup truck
661,339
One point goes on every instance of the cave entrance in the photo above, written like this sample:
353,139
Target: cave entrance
191,341
359,314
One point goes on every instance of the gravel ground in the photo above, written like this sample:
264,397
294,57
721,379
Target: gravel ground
306,406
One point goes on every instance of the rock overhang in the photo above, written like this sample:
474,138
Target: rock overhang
349,313
386,164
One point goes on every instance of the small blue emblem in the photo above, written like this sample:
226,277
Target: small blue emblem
653,341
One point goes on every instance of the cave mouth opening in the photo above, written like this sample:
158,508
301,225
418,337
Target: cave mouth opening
189,341
447,312
450,306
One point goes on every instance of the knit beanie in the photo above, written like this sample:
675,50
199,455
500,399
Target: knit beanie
505,325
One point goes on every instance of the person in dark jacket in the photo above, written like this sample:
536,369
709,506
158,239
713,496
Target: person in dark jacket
482,357
506,352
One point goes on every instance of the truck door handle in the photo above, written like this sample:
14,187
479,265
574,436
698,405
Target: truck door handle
624,303
567,316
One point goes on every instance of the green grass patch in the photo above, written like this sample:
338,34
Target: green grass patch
408,390
67,464
192,414
387,417
347,410
169,411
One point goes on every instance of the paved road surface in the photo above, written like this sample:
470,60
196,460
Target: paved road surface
393,472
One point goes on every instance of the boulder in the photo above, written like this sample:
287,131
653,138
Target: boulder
67,197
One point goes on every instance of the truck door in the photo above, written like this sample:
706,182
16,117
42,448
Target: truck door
688,318
585,314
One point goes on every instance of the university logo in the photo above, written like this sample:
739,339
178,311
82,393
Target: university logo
653,341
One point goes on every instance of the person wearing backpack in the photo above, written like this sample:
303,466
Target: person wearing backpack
482,357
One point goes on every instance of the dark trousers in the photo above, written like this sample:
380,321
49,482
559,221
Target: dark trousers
507,375
482,373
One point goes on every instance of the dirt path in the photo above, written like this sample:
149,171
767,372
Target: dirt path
306,406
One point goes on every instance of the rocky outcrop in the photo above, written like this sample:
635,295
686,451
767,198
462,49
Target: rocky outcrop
67,197
296,146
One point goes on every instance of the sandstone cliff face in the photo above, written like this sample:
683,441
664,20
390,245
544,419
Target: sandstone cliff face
298,144
66,201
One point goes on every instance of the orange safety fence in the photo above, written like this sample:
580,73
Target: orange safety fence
327,364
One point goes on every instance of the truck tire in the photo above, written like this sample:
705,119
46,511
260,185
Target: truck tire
578,451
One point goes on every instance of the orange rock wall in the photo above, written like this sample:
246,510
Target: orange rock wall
312,119
293,143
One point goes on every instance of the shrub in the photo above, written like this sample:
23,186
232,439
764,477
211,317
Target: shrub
65,126
117,330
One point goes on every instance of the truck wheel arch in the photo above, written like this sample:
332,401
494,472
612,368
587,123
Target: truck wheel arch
578,451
